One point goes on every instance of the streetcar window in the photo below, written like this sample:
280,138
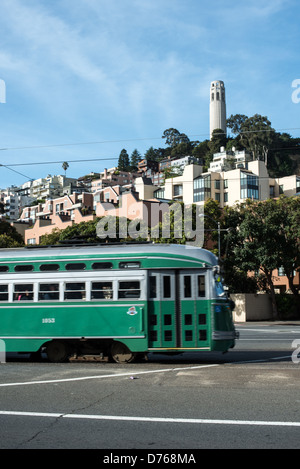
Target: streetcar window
23,292
74,291
153,288
153,320
101,265
24,268
49,267
3,292
76,266
4,268
129,265
202,334
167,286
187,293
201,285
189,336
129,289
188,319
102,290
49,291
219,286
167,320
202,319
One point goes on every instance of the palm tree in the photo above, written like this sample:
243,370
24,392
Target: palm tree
65,166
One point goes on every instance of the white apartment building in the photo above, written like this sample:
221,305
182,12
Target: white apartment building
49,187
232,178
16,198
226,160
9,199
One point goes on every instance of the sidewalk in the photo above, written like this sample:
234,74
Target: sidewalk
292,322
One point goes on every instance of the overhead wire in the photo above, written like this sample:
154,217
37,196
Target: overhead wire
31,147
17,172
9,166
83,160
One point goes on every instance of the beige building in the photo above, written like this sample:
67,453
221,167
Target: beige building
227,187
233,177
288,185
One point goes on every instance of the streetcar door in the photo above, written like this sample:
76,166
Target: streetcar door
162,309
178,309
194,309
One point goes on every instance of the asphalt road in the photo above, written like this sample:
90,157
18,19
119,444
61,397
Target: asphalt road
247,398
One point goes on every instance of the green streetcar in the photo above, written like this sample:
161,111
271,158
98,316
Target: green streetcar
116,300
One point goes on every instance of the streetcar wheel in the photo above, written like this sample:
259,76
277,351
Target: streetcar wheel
121,354
58,351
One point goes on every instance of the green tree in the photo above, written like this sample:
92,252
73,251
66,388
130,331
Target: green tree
171,229
289,241
150,154
207,148
52,238
201,149
174,137
180,223
79,232
212,216
123,162
235,123
261,239
256,135
135,158
9,236
182,149
86,232
218,140
7,241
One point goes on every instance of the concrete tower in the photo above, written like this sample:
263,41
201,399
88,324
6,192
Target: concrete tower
217,106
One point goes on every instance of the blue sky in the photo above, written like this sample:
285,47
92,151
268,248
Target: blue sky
120,72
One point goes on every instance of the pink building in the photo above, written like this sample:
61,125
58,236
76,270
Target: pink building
113,177
58,213
67,210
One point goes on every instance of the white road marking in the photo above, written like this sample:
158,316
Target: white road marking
151,419
131,373
117,375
